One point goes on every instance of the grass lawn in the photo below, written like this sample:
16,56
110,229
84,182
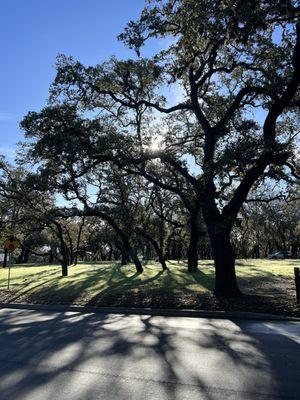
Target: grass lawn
268,283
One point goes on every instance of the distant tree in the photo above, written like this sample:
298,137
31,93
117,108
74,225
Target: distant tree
33,210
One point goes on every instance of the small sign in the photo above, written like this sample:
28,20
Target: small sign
11,243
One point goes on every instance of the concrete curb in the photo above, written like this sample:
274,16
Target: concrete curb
151,311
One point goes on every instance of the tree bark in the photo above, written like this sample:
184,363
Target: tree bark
219,229
224,257
21,256
5,258
122,235
156,246
51,256
193,245
102,254
64,267
128,253
78,241
134,258
64,262
109,254
63,249
124,258
26,255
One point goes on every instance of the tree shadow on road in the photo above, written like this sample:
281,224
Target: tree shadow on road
104,356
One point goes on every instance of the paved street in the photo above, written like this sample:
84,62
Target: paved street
67,355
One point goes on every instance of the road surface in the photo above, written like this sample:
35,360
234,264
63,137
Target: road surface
69,355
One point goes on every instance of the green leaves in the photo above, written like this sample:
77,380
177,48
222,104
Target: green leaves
59,134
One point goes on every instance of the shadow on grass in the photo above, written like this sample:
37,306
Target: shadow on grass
105,285
125,284
205,280
241,264
17,290
295,263
103,280
110,284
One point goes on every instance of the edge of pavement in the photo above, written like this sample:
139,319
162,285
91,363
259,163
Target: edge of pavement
151,311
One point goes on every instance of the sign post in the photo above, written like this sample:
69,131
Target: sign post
297,283
9,267
10,244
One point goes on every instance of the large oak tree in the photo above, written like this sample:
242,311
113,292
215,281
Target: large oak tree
237,66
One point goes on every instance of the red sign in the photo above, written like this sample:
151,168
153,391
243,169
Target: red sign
11,244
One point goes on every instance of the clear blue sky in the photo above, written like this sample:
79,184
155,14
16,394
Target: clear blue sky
33,32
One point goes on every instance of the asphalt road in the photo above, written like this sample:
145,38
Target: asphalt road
67,355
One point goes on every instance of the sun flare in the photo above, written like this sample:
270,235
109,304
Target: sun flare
156,143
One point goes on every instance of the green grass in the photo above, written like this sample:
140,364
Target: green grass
43,283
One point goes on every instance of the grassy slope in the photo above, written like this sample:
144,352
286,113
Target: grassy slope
90,283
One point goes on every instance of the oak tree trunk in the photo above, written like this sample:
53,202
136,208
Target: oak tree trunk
5,258
193,246
224,258
21,256
64,267
26,256
156,246
51,256
124,257
136,261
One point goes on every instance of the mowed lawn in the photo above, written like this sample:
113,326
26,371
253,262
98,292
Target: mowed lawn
109,283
